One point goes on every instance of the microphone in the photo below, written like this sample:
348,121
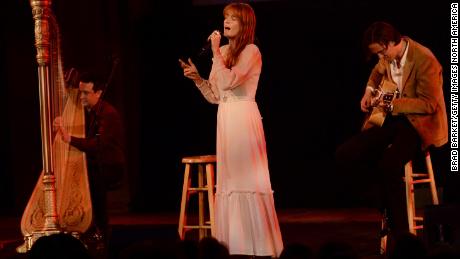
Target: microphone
206,47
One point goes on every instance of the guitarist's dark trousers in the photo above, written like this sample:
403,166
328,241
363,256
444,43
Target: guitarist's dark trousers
382,152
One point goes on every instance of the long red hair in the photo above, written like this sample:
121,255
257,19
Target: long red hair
247,19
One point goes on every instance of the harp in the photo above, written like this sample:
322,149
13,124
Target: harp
60,201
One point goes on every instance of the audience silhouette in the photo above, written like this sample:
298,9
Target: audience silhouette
58,246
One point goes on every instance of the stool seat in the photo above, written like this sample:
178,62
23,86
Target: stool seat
199,159
205,186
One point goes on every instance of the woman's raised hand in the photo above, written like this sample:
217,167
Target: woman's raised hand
190,70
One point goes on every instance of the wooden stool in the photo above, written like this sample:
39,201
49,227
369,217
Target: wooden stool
200,162
411,179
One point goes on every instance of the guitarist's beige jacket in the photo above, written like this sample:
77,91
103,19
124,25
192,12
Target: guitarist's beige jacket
422,99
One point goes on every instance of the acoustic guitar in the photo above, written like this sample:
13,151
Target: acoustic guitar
384,94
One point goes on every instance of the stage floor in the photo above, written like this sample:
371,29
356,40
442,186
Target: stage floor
358,227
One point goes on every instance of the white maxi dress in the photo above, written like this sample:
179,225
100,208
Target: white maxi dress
245,215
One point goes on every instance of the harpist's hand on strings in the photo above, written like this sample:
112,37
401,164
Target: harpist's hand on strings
190,71
57,123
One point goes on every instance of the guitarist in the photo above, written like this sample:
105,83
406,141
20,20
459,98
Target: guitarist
415,120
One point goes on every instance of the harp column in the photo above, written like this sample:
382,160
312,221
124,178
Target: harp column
41,10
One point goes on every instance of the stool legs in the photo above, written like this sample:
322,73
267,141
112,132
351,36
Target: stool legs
410,203
384,233
210,186
184,200
201,203
434,192
204,185
411,179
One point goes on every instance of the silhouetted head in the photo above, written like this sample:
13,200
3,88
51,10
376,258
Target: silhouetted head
210,248
336,250
58,246
296,251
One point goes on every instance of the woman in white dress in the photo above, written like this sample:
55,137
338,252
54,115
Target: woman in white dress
245,213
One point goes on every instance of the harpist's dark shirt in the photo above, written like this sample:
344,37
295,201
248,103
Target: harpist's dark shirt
104,141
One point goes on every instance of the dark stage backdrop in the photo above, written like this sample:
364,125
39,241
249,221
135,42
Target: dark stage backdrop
313,77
